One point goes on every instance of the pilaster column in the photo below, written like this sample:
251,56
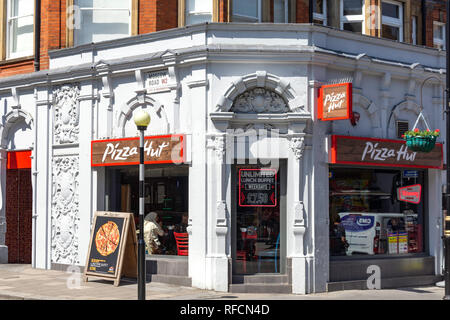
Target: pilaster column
299,263
385,94
222,215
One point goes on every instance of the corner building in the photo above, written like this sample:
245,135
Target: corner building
241,100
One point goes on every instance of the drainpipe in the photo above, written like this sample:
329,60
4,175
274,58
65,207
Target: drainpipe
311,12
37,35
424,22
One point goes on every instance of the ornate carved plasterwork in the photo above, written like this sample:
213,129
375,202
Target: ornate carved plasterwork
221,218
297,147
259,100
65,210
66,114
220,147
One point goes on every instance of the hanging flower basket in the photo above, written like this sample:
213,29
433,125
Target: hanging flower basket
421,141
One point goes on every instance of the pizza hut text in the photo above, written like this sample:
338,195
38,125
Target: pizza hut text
372,152
123,153
335,100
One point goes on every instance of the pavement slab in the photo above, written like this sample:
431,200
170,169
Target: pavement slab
19,282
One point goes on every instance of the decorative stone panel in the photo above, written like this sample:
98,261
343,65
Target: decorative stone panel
65,210
259,100
66,114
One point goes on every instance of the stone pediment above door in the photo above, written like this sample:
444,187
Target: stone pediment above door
261,98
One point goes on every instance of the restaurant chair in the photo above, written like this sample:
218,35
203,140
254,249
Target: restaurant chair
182,240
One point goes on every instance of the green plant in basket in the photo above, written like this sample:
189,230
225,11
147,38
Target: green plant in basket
422,141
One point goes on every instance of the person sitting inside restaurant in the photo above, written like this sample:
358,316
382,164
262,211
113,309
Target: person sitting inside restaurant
182,226
152,230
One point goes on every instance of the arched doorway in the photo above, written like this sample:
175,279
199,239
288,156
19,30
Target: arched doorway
17,186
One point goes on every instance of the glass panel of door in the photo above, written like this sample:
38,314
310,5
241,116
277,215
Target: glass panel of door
257,241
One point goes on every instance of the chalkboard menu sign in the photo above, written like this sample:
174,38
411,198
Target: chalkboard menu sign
112,249
257,187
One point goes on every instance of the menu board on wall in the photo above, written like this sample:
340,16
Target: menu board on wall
257,187
112,247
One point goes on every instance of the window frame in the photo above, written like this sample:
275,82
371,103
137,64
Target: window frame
439,42
186,13
133,19
259,10
393,22
182,12
352,18
7,36
286,11
321,16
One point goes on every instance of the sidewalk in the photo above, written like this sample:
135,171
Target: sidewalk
19,282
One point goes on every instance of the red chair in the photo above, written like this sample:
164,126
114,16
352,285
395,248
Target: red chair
182,240
242,255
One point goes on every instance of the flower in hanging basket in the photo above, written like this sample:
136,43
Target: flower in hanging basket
422,141
424,133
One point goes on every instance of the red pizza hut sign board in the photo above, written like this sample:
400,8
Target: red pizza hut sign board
157,149
410,193
382,152
335,102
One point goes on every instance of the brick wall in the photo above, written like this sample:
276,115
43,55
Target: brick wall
302,8
435,11
156,15
53,26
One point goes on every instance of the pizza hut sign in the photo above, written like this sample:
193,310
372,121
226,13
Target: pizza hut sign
157,149
381,152
335,102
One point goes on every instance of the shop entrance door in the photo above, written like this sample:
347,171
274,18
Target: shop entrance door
258,217
18,236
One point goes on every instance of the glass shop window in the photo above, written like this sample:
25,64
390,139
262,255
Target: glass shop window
198,11
439,35
352,15
370,215
247,11
252,11
20,28
102,20
320,12
166,195
392,20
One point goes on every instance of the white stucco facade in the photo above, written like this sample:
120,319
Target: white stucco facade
91,92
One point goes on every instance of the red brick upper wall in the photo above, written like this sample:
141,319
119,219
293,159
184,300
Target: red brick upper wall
156,15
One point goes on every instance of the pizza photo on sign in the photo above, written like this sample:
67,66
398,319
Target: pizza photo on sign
107,238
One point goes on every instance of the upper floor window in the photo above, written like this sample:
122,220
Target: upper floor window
247,11
438,35
281,11
352,15
102,20
198,11
277,11
19,28
392,20
320,12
